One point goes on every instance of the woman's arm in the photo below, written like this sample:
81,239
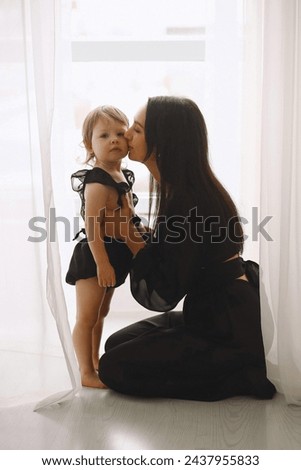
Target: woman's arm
133,237
123,226
165,270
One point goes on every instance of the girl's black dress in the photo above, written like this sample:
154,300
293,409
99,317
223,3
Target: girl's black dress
211,350
82,264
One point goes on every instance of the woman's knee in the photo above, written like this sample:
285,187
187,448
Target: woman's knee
109,371
122,336
111,342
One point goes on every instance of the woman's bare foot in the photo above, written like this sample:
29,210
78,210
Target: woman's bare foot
92,380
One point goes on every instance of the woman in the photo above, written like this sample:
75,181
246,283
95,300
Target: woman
213,349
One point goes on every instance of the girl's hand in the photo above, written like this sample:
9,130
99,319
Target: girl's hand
106,275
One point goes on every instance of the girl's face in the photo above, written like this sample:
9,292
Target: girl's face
108,140
136,137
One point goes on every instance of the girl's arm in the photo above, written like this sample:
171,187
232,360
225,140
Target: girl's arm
96,197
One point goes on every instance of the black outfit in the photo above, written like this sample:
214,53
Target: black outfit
82,264
210,351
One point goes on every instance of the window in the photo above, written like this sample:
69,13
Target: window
124,52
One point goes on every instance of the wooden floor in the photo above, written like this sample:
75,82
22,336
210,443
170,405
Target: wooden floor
103,419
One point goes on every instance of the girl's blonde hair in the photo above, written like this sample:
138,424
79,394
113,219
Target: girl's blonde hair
104,112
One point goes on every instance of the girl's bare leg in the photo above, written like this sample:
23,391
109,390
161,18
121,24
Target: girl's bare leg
97,330
89,298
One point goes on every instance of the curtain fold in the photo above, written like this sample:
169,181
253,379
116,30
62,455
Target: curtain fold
46,39
280,193
273,47
36,353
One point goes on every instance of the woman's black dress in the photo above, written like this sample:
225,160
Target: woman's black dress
210,351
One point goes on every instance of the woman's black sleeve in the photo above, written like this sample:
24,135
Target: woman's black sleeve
163,271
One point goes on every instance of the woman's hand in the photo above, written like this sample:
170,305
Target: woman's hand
117,222
106,275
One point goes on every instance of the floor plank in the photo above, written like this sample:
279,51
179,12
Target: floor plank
107,420
103,419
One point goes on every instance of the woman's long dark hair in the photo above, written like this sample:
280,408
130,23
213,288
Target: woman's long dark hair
175,131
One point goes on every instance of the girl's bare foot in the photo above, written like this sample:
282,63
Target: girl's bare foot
92,380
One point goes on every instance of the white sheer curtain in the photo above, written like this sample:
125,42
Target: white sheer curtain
33,360
47,31
271,156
